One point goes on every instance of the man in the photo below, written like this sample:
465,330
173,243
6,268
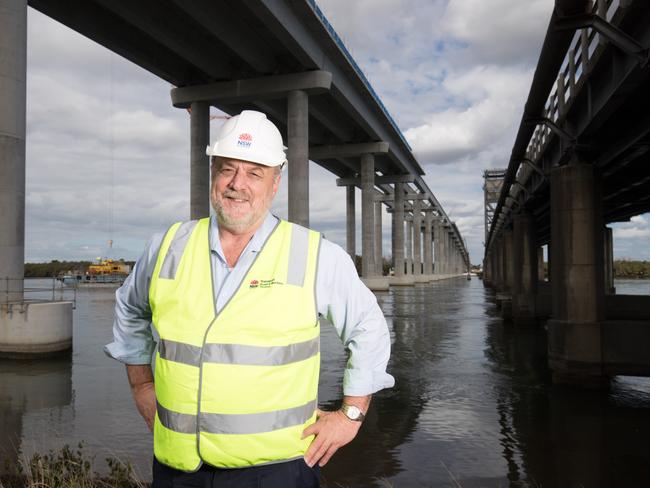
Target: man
235,301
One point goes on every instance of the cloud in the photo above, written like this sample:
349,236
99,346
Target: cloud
498,32
494,96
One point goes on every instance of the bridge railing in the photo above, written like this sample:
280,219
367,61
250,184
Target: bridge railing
582,54
339,42
585,49
18,291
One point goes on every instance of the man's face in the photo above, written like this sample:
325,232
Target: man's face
242,193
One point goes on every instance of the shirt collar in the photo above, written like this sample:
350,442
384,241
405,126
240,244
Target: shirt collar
256,242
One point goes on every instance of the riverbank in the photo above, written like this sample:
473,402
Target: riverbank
73,468
68,468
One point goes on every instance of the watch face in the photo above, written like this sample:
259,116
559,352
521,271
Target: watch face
353,412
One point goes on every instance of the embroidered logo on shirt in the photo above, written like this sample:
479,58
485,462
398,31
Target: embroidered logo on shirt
263,283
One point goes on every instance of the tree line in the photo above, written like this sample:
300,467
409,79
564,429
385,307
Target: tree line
622,268
632,269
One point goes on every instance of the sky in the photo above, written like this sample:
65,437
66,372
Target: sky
108,155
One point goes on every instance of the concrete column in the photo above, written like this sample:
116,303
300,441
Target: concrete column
508,265
444,240
436,245
487,277
428,251
367,215
540,264
609,262
409,248
25,328
499,274
199,161
13,75
350,214
298,157
379,258
398,231
417,238
525,270
447,253
577,275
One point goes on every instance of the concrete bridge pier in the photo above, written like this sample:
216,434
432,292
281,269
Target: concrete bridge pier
487,270
505,296
441,238
298,156
434,244
525,270
609,262
449,249
399,277
367,216
199,161
428,248
350,224
498,264
25,328
575,345
409,249
417,241
379,258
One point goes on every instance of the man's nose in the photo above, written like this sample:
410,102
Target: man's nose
238,179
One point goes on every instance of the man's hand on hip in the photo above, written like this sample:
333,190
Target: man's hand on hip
144,394
333,430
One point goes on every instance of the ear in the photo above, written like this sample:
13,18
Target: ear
276,183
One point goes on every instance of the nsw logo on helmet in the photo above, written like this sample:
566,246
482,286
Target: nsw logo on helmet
245,140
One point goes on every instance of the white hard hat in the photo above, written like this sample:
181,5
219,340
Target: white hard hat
249,136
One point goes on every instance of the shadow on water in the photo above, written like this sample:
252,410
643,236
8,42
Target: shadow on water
556,436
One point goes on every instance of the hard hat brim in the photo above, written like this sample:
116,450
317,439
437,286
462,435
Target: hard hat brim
246,156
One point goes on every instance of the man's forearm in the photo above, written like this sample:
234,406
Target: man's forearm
142,387
139,375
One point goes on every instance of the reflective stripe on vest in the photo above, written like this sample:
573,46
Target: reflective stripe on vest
251,423
238,353
236,388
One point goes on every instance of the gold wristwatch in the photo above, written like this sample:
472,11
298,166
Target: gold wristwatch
352,412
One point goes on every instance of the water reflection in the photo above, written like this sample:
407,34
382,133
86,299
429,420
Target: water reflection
563,436
473,403
30,386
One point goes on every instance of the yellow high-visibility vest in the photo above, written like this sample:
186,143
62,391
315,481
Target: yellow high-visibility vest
237,388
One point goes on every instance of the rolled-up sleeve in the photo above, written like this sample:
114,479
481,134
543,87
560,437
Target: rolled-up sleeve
353,311
133,341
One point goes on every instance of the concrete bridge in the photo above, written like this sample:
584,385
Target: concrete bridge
280,57
580,161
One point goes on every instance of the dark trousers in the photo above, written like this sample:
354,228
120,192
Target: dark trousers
291,474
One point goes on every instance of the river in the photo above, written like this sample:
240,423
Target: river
473,405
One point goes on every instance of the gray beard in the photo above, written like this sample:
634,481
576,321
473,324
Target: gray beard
234,225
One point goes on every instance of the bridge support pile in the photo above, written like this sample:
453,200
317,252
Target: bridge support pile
525,269
25,328
575,339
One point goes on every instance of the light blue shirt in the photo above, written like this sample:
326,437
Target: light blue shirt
341,298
